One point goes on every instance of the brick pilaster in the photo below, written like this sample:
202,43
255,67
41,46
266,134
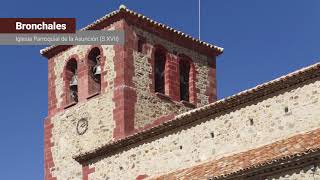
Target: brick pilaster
82,79
172,82
125,95
48,144
52,99
211,90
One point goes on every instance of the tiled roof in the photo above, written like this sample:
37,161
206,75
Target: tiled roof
278,153
198,114
123,10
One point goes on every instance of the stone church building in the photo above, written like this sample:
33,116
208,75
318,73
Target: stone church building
148,109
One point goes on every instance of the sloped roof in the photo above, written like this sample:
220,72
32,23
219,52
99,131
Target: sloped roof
277,153
124,12
198,114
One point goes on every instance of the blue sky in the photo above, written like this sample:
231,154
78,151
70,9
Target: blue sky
262,40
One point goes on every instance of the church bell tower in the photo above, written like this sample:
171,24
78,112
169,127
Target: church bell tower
99,94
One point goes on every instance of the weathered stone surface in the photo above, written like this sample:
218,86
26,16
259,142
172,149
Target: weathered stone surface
149,106
233,133
99,110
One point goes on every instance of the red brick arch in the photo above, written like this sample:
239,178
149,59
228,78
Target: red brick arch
66,75
93,88
160,49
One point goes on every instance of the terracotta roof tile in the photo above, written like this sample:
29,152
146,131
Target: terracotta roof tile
283,150
124,10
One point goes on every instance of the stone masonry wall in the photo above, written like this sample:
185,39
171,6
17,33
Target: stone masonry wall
97,110
257,123
149,106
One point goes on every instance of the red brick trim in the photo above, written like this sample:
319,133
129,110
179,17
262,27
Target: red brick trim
141,177
163,97
52,98
125,95
89,85
172,77
104,82
65,95
211,90
192,79
284,150
48,144
152,61
86,171
172,82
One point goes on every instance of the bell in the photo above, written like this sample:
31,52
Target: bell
74,96
96,70
74,81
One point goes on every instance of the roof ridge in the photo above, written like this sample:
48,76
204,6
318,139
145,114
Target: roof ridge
123,8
